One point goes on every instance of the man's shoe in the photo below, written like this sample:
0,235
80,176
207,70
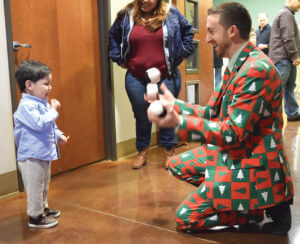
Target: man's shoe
294,118
51,213
42,222
282,219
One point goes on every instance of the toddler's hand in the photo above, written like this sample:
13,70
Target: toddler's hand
63,139
55,104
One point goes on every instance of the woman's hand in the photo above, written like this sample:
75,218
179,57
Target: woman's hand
124,66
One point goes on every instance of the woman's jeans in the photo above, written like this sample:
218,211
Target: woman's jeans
136,88
288,73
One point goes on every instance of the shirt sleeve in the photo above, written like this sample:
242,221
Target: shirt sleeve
115,40
30,116
187,35
58,132
288,35
185,108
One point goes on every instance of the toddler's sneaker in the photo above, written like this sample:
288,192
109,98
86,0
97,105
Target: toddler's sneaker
42,222
51,212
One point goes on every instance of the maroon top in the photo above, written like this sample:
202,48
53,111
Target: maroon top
146,51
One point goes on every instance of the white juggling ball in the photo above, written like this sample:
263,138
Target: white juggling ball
154,75
152,91
156,108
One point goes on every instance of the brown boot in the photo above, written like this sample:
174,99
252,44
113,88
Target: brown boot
141,159
168,155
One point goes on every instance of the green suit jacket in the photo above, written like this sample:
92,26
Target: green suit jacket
240,132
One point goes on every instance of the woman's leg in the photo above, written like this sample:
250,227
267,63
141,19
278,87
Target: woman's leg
167,135
136,88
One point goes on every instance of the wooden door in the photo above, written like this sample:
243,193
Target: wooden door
202,74
64,35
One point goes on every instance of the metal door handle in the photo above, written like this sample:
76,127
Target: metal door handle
17,45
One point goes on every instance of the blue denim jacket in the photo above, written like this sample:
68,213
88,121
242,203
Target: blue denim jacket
35,130
177,38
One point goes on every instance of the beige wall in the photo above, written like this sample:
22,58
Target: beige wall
8,176
7,149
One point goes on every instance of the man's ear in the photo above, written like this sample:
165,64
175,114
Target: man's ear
28,85
233,31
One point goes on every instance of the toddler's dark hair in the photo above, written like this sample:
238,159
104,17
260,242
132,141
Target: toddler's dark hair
30,70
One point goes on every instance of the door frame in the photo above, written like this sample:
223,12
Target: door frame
13,90
106,82
108,108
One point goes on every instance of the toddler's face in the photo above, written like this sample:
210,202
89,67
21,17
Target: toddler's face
42,87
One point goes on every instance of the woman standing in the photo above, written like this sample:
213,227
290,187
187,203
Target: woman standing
146,34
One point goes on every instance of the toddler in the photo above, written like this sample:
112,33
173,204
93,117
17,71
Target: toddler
36,136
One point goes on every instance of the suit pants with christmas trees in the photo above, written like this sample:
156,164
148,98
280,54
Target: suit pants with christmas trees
196,212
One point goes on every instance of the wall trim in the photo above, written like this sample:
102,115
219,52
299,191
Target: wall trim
127,148
9,183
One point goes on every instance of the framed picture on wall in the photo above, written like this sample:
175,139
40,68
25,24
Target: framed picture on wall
192,92
191,13
192,62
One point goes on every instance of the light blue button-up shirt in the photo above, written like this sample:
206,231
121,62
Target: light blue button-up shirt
35,131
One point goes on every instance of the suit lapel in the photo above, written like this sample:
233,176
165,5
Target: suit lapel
229,76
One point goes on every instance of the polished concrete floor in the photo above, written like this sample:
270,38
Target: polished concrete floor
108,202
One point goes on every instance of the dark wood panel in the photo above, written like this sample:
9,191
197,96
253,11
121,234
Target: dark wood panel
205,75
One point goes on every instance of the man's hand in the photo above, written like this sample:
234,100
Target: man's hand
172,118
167,97
262,46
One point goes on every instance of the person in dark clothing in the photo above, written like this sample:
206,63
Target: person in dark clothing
263,33
218,63
285,54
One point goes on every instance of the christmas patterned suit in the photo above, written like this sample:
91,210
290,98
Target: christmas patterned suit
240,169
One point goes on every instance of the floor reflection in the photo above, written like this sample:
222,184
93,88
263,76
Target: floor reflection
111,203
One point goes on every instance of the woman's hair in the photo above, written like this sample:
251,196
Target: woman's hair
159,15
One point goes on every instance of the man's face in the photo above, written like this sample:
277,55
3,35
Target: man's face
217,35
262,20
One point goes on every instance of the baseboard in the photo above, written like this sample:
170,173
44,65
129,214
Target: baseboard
127,148
8,183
